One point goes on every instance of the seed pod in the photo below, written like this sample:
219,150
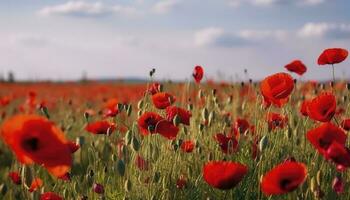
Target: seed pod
139,113
263,143
135,144
121,167
127,185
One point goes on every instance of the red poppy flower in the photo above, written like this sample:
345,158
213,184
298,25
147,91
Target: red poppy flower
100,127
15,177
167,129
276,120
148,122
323,136
303,107
346,124
183,114
34,139
73,146
284,178
187,146
322,108
198,73
141,163
5,100
111,108
35,185
228,144
151,122
332,56
241,126
155,88
161,100
277,88
297,67
338,154
50,196
223,175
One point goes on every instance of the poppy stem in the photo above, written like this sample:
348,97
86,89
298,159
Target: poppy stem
333,70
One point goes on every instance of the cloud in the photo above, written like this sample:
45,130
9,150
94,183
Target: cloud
218,37
262,3
85,9
325,30
165,6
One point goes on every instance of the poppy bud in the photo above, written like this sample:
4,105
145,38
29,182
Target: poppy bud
213,92
205,114
45,111
200,94
200,127
190,106
211,118
114,157
135,144
210,156
348,86
338,185
86,116
263,143
129,110
120,107
98,188
3,189
156,177
121,167
140,104
139,113
128,137
229,99
331,84
127,185
176,120
313,185
91,173
319,177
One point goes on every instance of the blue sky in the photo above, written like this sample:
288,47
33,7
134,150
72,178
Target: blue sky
56,39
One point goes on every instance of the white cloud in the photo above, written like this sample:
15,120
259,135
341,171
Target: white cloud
165,6
208,36
324,30
85,9
236,3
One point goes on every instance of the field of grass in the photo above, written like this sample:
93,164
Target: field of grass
124,163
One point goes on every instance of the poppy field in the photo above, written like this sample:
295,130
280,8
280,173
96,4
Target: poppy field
278,138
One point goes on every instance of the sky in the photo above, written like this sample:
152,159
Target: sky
61,40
